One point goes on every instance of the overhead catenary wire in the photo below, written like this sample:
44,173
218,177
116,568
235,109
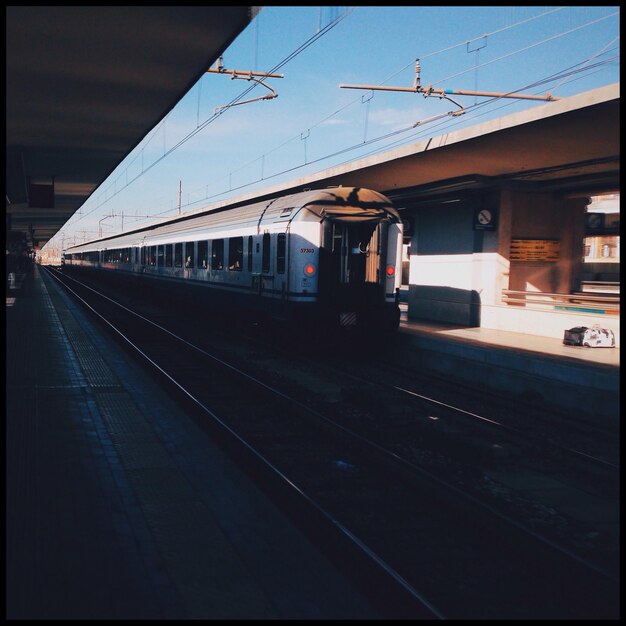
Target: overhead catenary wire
356,100
216,114
443,125
297,51
305,45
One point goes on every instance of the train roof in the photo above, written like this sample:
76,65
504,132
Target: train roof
337,203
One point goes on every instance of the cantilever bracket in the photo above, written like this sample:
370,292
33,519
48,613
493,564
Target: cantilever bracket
249,75
445,93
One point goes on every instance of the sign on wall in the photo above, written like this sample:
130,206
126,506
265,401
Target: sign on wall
535,250
484,219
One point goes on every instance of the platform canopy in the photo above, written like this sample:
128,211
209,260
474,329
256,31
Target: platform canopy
84,87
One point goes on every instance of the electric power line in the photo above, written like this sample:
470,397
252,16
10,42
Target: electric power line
292,55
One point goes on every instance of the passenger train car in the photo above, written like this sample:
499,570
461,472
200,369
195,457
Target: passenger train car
331,256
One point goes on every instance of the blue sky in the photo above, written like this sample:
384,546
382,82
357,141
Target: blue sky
313,124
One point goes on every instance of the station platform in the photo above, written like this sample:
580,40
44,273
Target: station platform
538,369
118,506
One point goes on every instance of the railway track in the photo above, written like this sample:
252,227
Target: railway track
438,552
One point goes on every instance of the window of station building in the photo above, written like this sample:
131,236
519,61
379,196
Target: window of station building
601,258
235,254
265,263
250,253
169,255
161,256
178,255
203,258
189,254
281,249
217,255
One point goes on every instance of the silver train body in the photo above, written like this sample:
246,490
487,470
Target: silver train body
331,256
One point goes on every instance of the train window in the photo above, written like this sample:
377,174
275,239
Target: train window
178,255
202,255
235,253
143,255
280,253
217,255
250,253
160,256
153,255
169,255
189,254
126,255
265,265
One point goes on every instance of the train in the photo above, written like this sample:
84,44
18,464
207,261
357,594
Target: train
329,256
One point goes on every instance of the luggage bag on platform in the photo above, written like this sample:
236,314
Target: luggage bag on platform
594,337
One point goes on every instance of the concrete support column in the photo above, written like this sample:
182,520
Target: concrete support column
545,217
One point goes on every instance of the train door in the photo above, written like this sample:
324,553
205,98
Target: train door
282,266
267,288
352,261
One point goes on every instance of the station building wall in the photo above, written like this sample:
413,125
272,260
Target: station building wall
458,270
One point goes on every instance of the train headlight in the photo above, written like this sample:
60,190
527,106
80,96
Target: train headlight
309,269
391,271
